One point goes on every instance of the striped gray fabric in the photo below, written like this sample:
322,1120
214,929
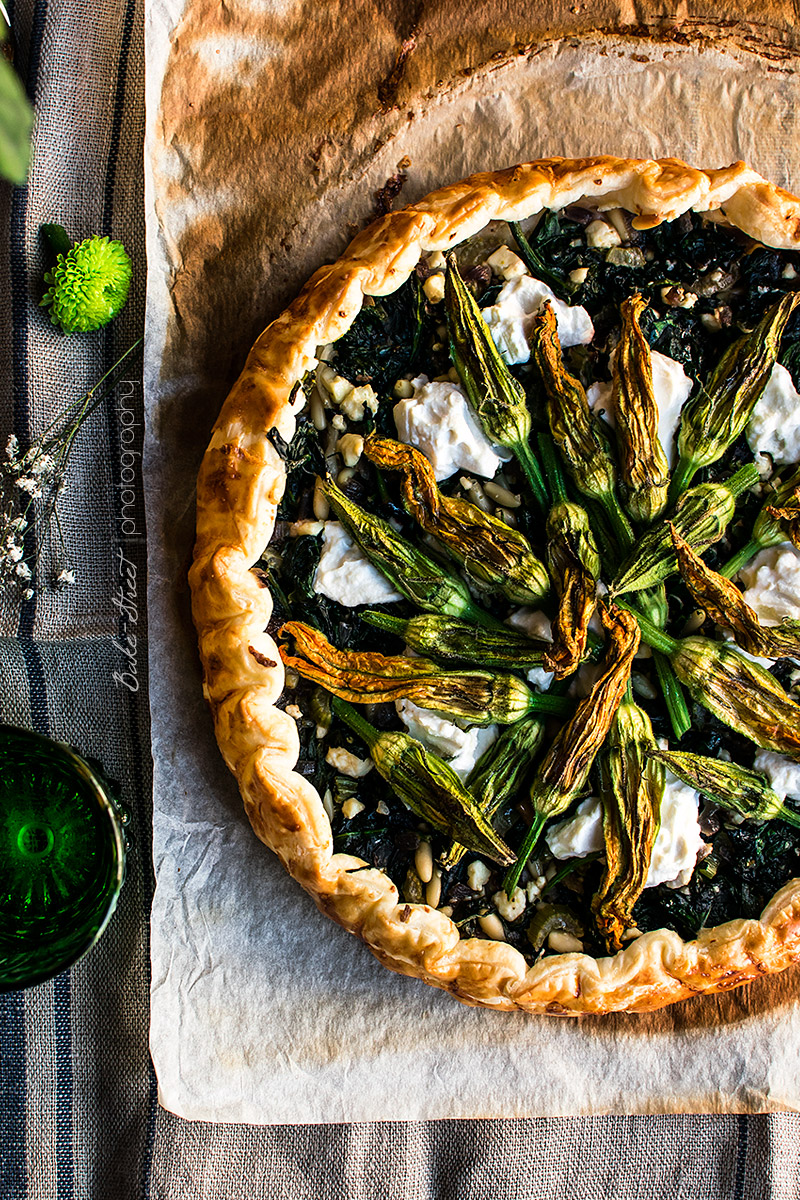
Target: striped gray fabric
78,1113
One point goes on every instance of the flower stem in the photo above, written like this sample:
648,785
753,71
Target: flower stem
552,467
368,733
791,818
525,851
682,476
532,471
673,695
740,559
381,620
651,634
623,530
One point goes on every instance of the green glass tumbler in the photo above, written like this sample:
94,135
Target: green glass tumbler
62,857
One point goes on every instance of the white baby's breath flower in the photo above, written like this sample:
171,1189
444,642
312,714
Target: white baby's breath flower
28,594
12,447
64,578
44,465
23,571
27,483
14,552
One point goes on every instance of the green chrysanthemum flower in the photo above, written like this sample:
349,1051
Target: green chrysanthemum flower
89,285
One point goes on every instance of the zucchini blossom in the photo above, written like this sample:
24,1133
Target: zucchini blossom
775,523
428,786
714,417
88,285
728,785
461,644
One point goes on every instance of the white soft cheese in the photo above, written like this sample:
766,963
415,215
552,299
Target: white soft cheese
782,773
671,388
438,420
536,624
510,318
676,846
346,763
460,747
772,584
774,427
346,575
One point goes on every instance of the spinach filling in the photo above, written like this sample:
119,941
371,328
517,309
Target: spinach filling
734,283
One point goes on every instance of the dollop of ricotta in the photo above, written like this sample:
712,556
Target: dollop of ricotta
536,624
510,318
438,420
345,574
461,748
772,584
671,388
782,773
774,426
677,843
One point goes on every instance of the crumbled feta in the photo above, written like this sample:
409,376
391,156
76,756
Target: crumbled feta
348,764
506,263
774,427
601,236
512,906
676,846
351,808
346,575
438,420
460,747
433,287
510,318
772,584
478,875
540,678
782,773
671,388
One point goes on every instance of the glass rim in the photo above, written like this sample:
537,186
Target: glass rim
94,783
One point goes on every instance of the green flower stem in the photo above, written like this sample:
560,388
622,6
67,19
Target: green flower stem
368,733
532,471
382,620
552,467
740,559
623,530
561,287
525,851
546,702
674,698
742,480
651,634
682,476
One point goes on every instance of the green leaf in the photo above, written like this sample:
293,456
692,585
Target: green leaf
16,122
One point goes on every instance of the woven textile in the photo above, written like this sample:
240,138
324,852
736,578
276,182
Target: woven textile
78,1114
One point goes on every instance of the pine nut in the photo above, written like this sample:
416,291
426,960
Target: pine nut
492,926
345,476
501,495
351,447
322,510
423,861
433,892
317,411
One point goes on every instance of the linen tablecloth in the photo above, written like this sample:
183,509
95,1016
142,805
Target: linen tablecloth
78,1111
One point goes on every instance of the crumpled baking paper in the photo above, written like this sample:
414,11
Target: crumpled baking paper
270,127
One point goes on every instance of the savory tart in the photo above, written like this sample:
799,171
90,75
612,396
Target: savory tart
497,585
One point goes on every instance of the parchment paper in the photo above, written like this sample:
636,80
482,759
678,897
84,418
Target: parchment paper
270,128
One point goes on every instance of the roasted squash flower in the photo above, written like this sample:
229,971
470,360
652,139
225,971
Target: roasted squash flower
495,395
631,790
460,644
777,520
701,516
574,565
500,772
726,605
363,677
730,786
740,693
422,581
491,552
428,786
88,285
577,431
643,468
565,768
712,419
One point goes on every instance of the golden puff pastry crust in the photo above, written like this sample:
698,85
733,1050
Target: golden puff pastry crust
240,484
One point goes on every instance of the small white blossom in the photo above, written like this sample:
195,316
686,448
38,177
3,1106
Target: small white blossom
27,483
14,552
28,594
23,571
64,578
44,465
12,447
